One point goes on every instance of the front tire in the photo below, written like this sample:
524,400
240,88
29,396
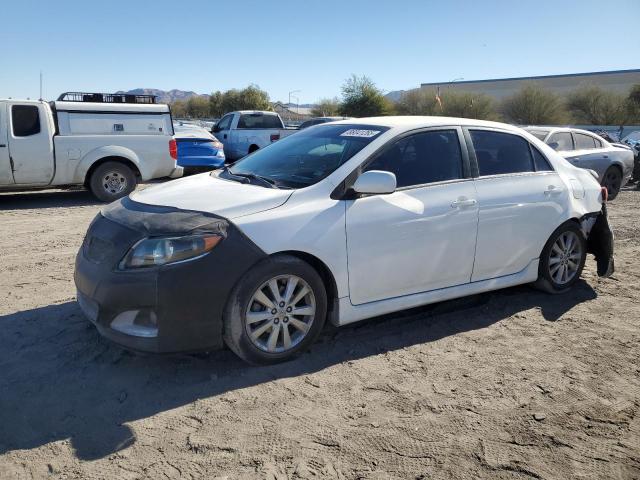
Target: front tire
562,259
276,311
612,179
111,181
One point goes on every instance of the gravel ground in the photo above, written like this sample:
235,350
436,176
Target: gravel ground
508,384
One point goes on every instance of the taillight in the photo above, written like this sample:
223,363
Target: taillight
173,149
605,194
275,136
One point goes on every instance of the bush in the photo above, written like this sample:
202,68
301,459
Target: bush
361,98
326,107
452,104
593,105
250,98
533,105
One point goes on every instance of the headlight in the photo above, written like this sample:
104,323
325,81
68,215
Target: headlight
152,252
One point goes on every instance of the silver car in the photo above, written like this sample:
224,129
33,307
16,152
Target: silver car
612,162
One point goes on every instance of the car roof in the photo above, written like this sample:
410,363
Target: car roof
411,122
264,112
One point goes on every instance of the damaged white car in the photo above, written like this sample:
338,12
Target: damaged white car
339,222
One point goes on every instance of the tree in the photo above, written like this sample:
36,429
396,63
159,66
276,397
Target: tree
595,106
533,105
326,107
179,109
198,107
361,98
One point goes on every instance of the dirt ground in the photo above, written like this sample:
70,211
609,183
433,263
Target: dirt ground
509,384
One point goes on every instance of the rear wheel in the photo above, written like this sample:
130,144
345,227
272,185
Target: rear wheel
613,181
253,148
276,311
111,181
562,259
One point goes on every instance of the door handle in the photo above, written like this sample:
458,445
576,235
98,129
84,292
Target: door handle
2,145
463,202
224,136
551,189
606,156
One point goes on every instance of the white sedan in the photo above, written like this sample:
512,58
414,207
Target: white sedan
339,222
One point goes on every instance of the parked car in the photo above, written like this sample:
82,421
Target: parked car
198,150
106,142
613,163
318,120
246,131
342,221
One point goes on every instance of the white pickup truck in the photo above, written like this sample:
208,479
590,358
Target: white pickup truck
246,131
102,141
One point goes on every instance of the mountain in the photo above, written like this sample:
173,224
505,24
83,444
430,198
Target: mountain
395,95
164,96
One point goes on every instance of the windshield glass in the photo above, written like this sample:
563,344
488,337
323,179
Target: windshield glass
308,156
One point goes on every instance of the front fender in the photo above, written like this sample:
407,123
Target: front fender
99,153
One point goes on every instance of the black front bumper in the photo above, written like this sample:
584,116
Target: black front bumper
187,299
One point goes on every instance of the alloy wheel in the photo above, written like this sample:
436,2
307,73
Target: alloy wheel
280,313
565,257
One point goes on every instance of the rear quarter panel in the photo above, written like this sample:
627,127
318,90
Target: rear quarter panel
75,155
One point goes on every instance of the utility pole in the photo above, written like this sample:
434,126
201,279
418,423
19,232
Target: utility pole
40,85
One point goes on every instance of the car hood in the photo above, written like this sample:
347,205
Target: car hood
205,193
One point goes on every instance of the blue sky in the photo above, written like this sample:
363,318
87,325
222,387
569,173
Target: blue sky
307,45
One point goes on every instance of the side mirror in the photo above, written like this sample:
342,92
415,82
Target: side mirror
554,145
215,129
375,182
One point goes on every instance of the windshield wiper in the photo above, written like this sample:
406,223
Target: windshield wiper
252,176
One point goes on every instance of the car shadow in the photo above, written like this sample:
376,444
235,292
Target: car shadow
47,199
61,380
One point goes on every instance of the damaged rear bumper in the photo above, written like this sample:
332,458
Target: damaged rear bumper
600,243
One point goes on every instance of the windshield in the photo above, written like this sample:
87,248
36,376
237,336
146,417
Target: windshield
540,134
308,156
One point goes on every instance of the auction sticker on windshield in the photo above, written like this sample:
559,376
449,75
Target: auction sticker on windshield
354,132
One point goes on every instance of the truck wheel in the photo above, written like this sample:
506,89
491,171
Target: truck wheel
276,311
111,181
612,179
253,148
562,259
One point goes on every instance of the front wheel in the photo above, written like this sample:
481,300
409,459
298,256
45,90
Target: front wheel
111,181
562,259
613,181
277,310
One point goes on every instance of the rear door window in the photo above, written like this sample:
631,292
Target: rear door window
501,153
584,142
422,158
564,141
256,120
25,120
540,162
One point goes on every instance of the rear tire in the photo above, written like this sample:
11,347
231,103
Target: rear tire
253,148
562,259
612,179
261,325
111,181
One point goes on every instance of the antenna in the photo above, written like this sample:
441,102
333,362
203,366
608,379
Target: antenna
40,85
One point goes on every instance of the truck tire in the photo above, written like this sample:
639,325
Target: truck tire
111,181
253,148
276,311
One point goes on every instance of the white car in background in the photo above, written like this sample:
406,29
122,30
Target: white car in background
106,142
612,162
342,221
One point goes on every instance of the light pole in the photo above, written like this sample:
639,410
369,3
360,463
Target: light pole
289,102
454,80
